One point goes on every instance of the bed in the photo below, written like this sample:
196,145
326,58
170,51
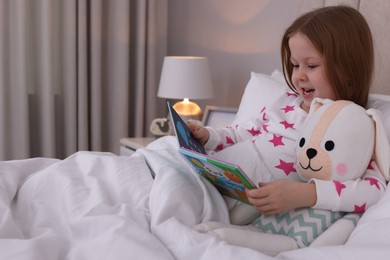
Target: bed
95,205
101,206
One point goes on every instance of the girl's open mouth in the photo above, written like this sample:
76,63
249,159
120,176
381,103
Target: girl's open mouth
307,91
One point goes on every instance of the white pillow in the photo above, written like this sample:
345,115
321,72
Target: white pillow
263,89
278,75
260,91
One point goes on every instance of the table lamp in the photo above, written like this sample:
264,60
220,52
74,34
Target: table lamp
186,77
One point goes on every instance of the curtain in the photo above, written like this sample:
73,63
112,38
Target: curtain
78,74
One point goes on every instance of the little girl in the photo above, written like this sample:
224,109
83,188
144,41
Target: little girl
326,53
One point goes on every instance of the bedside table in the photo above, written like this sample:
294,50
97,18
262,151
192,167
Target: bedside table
129,145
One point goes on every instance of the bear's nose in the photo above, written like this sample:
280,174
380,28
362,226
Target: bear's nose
311,153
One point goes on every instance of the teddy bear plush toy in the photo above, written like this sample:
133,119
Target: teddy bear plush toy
337,143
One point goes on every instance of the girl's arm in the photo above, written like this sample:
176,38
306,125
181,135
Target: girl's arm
354,195
282,195
351,196
220,138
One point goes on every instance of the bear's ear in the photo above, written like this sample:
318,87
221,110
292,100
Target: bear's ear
382,148
317,103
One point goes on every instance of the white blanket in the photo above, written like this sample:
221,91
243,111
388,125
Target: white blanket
103,206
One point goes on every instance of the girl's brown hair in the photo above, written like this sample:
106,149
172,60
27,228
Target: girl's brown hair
343,37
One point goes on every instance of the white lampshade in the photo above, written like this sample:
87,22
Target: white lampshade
185,77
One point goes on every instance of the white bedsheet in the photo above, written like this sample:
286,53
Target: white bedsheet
103,206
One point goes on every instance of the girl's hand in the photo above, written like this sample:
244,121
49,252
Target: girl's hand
199,132
282,195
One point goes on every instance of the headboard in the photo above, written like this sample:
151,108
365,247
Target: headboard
377,14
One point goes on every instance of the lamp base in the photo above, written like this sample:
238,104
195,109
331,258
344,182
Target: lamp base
188,110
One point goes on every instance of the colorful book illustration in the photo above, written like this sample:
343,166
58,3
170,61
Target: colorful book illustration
229,179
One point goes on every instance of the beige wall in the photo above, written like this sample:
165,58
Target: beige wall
237,36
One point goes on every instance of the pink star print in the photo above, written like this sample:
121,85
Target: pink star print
253,131
373,182
360,209
292,94
265,126
370,167
262,110
287,167
277,140
339,187
288,109
219,147
229,140
287,124
265,116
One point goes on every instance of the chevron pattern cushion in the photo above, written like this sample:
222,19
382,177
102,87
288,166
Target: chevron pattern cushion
304,225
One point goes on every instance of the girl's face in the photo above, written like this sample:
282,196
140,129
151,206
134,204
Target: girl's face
308,77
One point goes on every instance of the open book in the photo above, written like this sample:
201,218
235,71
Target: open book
229,179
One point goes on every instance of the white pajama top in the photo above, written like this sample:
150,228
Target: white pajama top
274,132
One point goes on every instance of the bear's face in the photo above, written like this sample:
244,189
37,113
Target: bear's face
314,160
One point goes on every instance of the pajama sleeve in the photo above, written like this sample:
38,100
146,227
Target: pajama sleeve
221,138
351,196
